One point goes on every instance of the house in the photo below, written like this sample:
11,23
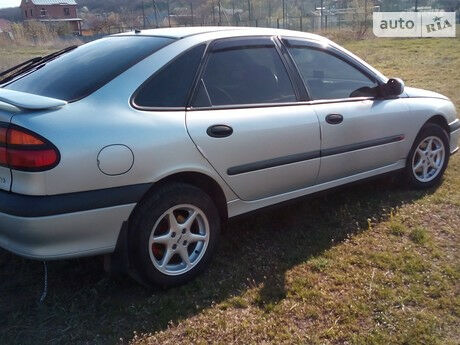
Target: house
53,12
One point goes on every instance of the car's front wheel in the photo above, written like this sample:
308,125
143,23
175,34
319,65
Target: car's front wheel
173,234
428,157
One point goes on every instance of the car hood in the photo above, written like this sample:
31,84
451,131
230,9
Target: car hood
416,93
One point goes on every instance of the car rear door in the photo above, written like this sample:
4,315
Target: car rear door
360,131
245,119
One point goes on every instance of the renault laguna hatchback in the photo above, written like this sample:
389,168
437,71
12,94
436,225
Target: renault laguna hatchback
141,145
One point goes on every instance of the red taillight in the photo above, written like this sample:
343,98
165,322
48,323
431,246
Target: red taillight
18,137
21,149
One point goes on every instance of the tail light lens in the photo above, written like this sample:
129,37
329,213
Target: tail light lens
21,149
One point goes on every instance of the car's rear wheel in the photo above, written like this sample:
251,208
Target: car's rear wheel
173,234
428,157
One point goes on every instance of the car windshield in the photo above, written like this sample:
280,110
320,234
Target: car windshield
80,72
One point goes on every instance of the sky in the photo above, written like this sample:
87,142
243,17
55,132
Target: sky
9,3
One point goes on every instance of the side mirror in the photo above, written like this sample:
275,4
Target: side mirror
393,87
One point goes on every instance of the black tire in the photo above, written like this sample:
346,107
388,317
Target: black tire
146,216
428,130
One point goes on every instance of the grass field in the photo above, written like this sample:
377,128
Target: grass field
373,263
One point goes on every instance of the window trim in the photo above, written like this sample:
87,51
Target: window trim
287,104
132,100
291,74
308,44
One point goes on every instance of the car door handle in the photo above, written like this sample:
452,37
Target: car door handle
334,119
219,131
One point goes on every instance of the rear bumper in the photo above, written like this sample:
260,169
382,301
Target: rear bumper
63,236
65,226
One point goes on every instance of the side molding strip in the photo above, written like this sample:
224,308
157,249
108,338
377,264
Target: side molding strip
300,157
41,206
361,145
270,163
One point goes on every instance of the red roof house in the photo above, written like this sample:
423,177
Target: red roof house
52,11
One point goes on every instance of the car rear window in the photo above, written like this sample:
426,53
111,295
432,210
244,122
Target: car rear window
87,68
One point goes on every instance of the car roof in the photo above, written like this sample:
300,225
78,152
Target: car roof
183,32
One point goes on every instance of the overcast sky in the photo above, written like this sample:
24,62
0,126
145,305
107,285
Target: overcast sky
9,3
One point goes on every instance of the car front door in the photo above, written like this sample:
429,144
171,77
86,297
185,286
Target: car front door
245,119
359,131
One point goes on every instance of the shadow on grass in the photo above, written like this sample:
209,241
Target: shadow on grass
86,306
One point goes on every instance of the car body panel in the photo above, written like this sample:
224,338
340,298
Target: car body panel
365,123
238,207
161,143
260,135
64,236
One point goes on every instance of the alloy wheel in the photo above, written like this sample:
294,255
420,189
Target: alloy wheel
179,239
428,159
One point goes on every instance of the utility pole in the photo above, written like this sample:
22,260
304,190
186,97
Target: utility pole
416,5
143,13
155,12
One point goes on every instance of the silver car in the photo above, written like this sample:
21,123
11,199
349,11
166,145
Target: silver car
142,144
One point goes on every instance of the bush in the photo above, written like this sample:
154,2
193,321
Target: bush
37,33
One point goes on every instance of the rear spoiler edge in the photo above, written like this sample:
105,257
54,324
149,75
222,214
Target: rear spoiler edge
29,101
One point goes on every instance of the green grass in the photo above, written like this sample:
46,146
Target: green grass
373,263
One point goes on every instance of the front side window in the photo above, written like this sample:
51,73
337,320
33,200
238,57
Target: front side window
43,12
66,11
328,77
246,75
170,86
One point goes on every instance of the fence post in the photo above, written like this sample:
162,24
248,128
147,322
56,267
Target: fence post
213,14
284,15
249,12
325,22
155,12
220,13
301,24
277,23
191,12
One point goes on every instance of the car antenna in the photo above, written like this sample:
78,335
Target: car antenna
137,31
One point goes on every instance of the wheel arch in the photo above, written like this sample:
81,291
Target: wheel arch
197,179
438,120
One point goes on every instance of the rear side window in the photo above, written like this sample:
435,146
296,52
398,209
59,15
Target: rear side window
328,77
82,71
170,86
246,75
